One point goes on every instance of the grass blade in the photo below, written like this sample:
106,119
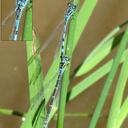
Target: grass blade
91,79
82,18
117,99
102,50
34,67
9,112
123,112
35,84
6,111
98,54
109,80
27,32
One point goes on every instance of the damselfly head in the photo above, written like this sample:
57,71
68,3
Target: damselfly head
22,3
71,5
66,60
70,11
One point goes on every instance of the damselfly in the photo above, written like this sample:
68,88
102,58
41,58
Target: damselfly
63,63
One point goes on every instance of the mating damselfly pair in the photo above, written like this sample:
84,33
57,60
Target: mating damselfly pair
64,61
16,20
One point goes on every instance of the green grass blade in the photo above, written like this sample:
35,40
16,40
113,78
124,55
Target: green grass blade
11,112
118,96
27,31
37,121
83,17
102,50
65,81
94,77
108,82
122,114
34,67
34,115
35,83
77,115
6,111
99,53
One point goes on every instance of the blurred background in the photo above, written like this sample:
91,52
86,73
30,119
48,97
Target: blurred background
47,16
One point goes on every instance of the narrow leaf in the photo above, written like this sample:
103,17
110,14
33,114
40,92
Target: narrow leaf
101,50
118,95
122,114
27,32
109,80
91,79
83,18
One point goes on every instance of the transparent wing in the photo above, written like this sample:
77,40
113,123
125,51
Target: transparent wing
7,18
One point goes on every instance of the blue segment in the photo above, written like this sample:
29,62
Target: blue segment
17,24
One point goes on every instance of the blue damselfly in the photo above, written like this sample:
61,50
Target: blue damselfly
63,63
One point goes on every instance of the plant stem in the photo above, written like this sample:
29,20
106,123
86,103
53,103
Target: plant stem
10,112
117,99
122,114
27,32
102,50
83,18
6,111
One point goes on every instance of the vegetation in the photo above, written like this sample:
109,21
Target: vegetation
41,87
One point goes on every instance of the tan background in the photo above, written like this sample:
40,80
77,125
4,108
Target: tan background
47,15
13,81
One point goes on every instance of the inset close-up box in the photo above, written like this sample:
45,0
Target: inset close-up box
16,20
